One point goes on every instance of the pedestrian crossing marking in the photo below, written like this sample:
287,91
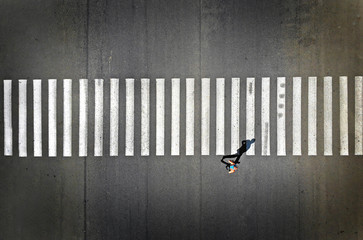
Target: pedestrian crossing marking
176,112
129,131
343,94
67,117
98,132
281,129
8,124
189,118
52,117
205,115
22,118
250,113
145,117
296,116
220,116
175,115
358,115
114,115
328,116
160,116
265,116
235,105
83,117
37,117
312,123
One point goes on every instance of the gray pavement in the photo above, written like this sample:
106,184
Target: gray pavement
181,197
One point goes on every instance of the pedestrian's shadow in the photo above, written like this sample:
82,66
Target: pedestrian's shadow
249,143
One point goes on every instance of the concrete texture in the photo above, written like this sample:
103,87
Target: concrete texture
179,197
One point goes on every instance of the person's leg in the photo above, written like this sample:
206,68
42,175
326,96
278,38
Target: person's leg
227,164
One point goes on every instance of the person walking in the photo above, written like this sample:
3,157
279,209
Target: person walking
231,166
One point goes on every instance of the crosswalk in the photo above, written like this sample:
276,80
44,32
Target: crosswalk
312,115
250,113
161,102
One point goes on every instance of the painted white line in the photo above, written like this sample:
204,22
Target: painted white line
250,113
8,125
129,131
67,117
205,116
220,116
312,116
114,115
175,115
265,116
296,117
343,95
281,128
235,96
358,115
22,118
189,118
52,117
160,116
83,117
98,147
328,116
37,117
145,117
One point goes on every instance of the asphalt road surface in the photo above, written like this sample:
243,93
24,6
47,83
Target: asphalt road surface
181,197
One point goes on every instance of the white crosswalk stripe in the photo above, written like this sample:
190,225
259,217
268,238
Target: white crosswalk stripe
358,115
265,116
22,119
189,118
235,104
328,116
175,116
219,116
343,95
8,124
37,117
160,116
114,115
129,131
281,128
312,101
52,117
250,113
98,147
296,116
145,117
67,117
205,115
83,117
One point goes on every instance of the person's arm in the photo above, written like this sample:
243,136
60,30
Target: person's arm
231,162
